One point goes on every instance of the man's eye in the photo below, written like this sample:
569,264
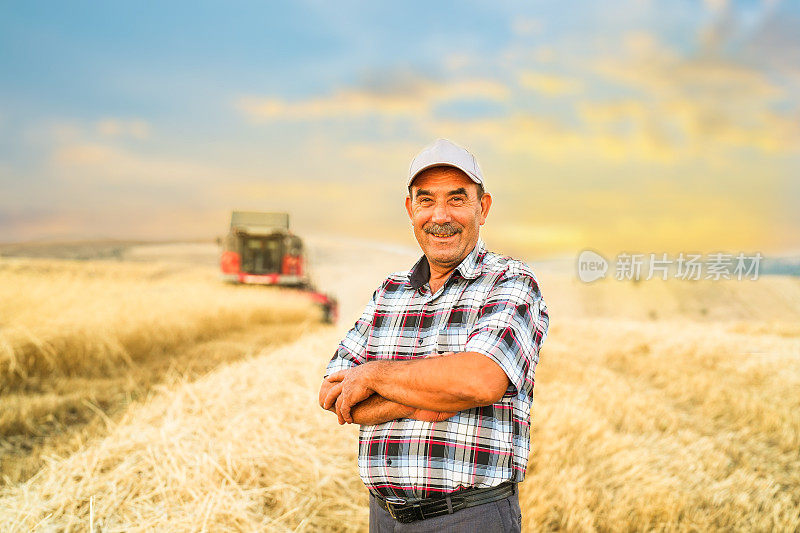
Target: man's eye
457,199
425,201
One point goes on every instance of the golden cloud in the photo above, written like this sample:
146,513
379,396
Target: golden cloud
86,162
690,106
552,140
550,84
411,96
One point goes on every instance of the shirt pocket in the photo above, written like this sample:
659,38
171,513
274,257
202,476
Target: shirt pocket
452,339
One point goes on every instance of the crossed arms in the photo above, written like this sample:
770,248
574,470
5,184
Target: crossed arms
501,351
430,389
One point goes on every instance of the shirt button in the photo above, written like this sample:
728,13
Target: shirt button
389,462
419,340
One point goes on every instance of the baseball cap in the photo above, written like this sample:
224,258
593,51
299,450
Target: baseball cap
445,153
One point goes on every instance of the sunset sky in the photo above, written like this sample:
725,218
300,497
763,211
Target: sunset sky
640,126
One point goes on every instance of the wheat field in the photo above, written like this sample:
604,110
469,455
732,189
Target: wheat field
659,406
80,340
87,318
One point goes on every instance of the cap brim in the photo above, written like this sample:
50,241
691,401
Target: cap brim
469,174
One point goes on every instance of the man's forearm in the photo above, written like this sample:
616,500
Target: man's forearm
440,384
451,383
377,410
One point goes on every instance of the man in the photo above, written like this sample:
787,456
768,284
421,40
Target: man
439,369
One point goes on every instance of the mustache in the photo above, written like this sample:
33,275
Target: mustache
441,228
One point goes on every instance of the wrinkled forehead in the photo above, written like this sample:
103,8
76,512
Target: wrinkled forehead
443,179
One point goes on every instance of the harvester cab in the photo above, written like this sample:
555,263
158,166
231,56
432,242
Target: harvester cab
259,249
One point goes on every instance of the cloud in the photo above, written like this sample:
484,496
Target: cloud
63,132
112,127
543,54
524,26
701,79
95,162
691,105
86,155
557,141
550,84
458,61
381,154
397,95
716,5
775,44
539,236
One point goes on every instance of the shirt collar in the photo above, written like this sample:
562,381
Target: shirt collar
470,266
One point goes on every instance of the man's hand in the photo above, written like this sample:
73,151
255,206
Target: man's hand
427,415
323,392
373,410
332,399
349,387
329,393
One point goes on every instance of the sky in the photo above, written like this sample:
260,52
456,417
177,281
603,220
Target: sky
616,126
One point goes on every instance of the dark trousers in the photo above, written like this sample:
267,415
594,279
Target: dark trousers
501,516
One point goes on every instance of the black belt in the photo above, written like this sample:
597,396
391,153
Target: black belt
405,511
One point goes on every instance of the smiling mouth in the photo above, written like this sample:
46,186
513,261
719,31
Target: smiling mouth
442,231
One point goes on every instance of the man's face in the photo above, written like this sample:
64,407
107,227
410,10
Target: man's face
446,214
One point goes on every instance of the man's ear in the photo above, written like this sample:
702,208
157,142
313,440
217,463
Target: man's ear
486,203
408,207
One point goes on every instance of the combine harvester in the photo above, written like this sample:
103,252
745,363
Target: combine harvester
259,249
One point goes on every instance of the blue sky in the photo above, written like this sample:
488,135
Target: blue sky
613,125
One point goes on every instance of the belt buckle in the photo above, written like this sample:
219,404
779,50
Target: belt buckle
391,501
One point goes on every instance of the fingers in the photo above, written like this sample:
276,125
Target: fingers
345,392
344,408
351,395
346,405
333,395
339,411
323,392
336,376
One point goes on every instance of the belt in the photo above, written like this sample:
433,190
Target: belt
411,511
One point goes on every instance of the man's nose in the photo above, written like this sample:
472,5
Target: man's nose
440,214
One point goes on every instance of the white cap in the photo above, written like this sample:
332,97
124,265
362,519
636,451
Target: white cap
446,153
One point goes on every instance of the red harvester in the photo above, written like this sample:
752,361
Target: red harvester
259,249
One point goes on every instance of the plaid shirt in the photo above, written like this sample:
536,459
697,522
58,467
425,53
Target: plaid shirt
491,305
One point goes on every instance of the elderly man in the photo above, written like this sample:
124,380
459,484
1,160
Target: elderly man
439,369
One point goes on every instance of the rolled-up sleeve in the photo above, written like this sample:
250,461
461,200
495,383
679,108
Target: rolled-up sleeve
352,350
511,327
